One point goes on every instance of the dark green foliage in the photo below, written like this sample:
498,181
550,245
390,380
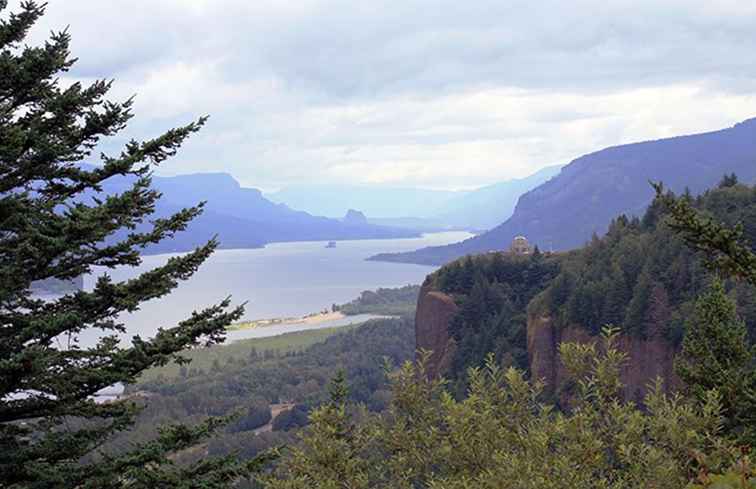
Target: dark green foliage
250,381
493,292
390,302
641,276
729,181
716,354
54,224
725,231
296,417
717,349
256,415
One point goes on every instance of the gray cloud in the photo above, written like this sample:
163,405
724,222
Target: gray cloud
442,93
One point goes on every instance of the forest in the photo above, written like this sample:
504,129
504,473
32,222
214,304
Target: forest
640,277
245,378
384,301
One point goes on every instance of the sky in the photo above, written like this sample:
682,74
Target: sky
433,94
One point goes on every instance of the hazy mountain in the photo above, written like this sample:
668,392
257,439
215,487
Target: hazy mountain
489,206
242,217
564,212
423,224
373,200
482,208
355,217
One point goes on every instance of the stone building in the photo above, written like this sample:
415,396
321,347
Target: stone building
520,246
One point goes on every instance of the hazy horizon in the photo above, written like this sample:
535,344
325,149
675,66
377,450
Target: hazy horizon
438,95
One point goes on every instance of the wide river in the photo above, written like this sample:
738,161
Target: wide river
280,280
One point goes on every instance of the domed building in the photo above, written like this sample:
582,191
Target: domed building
520,246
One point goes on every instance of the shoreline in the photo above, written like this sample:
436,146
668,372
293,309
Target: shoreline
310,319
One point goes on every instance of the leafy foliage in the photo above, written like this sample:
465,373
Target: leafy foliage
740,476
501,434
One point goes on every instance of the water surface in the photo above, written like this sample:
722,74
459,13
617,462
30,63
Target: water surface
280,280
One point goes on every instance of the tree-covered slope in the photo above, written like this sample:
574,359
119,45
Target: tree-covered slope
640,277
249,376
588,193
492,292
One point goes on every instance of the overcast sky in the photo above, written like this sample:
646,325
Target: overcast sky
438,94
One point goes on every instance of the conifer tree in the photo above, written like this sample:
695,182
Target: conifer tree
716,351
716,355
726,248
51,227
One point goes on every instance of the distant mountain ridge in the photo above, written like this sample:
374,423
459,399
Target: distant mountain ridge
242,217
489,206
565,211
335,200
481,208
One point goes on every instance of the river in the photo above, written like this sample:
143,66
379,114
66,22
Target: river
280,280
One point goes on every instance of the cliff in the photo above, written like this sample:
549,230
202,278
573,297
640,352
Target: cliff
647,358
435,311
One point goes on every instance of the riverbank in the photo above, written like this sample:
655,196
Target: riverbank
310,319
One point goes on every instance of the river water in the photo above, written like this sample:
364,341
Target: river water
280,280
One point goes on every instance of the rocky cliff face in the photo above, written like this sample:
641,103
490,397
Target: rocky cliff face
647,358
432,318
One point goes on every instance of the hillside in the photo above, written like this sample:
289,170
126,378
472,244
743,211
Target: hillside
640,278
249,376
489,206
567,210
481,208
243,218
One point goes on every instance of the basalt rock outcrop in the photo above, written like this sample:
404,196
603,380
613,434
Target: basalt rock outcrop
647,358
435,311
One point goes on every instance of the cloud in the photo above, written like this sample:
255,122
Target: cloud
431,93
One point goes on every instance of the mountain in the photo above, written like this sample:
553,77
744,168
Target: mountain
355,217
242,217
422,224
375,200
567,210
489,206
481,208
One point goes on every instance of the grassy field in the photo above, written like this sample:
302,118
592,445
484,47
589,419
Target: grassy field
203,358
